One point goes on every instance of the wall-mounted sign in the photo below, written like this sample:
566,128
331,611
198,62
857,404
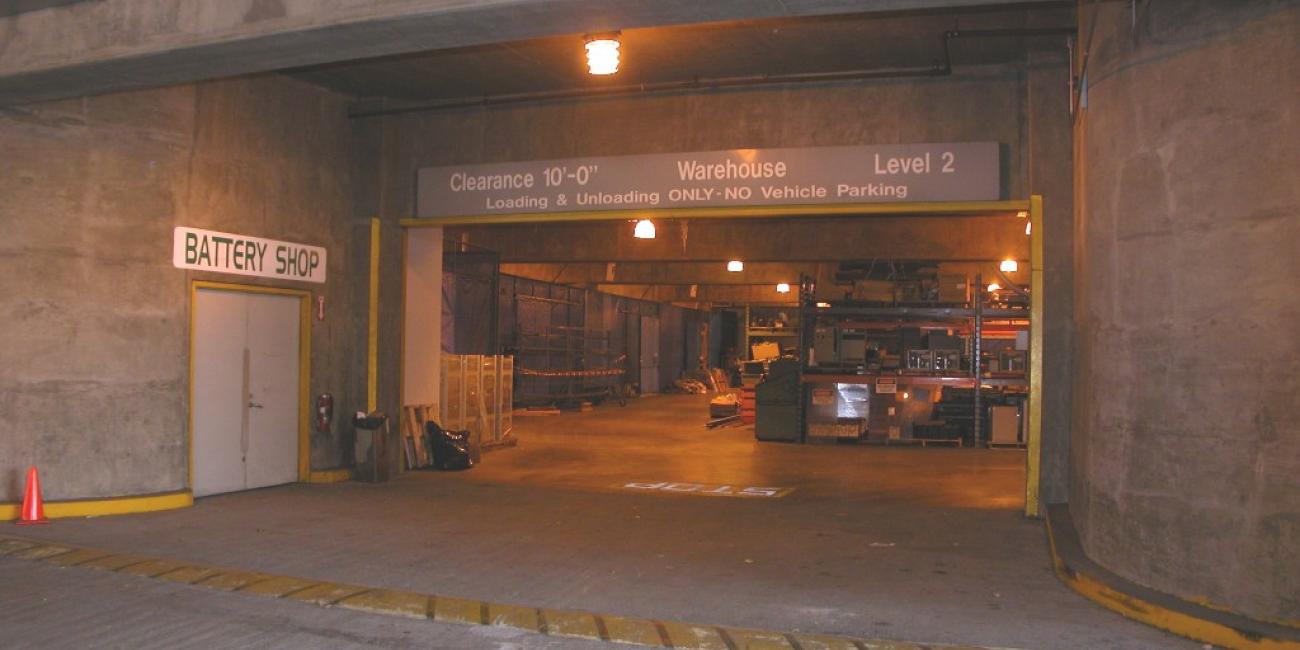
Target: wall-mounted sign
966,171
223,252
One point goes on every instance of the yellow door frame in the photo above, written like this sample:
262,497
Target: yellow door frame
304,369
1032,206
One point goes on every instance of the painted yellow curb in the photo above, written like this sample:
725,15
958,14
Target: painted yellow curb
1155,614
108,506
329,476
552,622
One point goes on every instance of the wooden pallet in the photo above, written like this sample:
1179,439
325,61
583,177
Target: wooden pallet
414,419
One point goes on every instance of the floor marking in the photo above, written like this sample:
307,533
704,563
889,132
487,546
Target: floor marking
14,545
663,634
576,624
706,489
164,574
1170,613
253,582
290,593
188,574
43,552
77,558
726,638
129,565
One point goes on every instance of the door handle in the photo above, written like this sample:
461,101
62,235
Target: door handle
254,405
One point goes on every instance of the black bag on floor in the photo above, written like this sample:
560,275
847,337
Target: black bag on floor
451,449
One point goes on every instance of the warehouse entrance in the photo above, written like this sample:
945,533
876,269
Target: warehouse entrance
247,365
853,351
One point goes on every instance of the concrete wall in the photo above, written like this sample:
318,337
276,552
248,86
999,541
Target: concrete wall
422,326
1048,114
978,104
95,383
1186,398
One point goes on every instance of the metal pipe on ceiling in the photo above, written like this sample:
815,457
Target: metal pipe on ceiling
938,69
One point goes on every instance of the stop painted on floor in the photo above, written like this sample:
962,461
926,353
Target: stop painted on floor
707,490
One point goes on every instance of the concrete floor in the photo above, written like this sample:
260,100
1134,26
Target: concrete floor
912,544
43,606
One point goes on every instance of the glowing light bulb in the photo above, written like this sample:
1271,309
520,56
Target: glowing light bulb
993,286
1029,227
735,266
645,229
823,305
602,55
783,288
1008,266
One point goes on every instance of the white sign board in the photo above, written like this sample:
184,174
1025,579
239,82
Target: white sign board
223,252
955,171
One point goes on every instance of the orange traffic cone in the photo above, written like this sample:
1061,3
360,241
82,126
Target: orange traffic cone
33,511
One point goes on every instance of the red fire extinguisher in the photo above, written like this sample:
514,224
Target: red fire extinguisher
324,412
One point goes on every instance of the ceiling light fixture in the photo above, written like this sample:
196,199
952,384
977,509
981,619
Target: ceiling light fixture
1008,266
782,288
993,286
645,229
602,54
1023,214
735,266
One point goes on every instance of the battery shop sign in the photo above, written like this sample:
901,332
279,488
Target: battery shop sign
223,252
967,171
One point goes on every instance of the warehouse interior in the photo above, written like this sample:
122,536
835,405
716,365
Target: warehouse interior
670,317
962,409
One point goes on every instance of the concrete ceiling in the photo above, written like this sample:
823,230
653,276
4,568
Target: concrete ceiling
14,7
85,48
604,255
685,52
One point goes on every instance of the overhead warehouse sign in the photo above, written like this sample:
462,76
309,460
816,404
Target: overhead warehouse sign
967,171
223,252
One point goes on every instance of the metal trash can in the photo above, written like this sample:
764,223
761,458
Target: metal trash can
371,446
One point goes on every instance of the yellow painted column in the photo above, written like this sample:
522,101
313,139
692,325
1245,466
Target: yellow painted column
1035,443
372,346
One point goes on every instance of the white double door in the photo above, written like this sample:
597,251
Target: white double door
245,406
